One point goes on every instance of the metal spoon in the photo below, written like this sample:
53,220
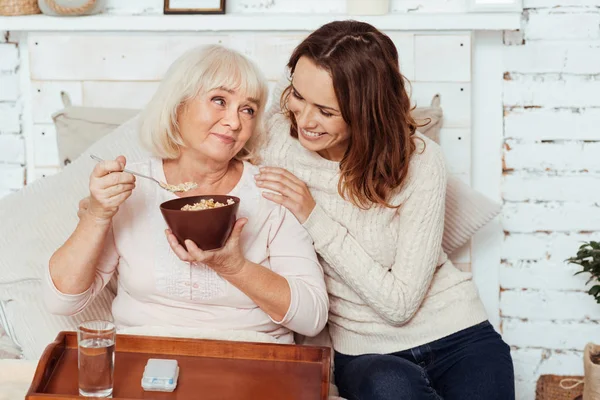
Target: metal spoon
167,187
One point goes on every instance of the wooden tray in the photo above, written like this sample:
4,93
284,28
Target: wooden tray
208,369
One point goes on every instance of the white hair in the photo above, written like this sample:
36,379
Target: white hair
199,71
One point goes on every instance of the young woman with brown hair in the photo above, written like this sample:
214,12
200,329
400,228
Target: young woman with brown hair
370,191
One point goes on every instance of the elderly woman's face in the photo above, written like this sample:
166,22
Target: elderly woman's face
321,127
217,124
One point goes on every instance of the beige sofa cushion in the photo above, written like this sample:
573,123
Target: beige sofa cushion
429,119
78,128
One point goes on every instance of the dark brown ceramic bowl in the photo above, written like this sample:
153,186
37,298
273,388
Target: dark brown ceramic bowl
209,228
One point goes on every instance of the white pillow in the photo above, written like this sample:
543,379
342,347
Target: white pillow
77,128
467,211
33,327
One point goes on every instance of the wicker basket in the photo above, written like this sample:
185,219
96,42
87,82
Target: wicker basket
71,7
548,388
19,7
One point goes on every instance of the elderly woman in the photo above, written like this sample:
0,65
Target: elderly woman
203,125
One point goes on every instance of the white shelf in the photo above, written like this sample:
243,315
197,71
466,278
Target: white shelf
259,22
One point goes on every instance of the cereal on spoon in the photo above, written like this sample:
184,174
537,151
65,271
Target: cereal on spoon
182,187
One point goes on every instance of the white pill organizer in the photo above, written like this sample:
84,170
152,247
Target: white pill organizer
160,375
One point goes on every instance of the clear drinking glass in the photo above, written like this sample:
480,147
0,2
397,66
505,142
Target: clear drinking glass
96,358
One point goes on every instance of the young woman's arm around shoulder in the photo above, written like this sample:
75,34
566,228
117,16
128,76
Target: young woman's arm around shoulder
394,293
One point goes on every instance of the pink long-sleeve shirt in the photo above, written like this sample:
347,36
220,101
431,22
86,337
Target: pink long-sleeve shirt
156,288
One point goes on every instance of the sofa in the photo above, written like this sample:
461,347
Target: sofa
39,218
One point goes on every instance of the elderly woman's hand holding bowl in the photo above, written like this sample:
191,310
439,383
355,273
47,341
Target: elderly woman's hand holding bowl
200,229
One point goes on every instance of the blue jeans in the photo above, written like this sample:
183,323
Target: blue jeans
472,364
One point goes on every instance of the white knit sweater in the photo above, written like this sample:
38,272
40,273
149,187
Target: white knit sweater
391,286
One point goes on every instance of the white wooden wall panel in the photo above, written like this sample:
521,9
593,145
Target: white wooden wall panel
243,43
108,57
455,100
443,58
118,94
272,53
125,94
456,144
44,145
45,171
177,45
405,44
46,98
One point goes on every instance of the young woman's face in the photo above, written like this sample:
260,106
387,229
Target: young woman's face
312,100
217,124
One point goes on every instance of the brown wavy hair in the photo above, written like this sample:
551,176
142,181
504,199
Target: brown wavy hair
363,64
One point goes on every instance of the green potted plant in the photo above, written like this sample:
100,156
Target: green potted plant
588,257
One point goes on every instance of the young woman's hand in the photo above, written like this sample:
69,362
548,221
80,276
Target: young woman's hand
226,261
109,188
293,193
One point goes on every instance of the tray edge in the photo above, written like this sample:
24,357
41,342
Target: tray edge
50,356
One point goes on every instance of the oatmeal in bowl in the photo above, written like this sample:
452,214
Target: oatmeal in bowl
206,220
205,204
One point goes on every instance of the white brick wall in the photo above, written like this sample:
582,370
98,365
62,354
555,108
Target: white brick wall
12,146
551,186
574,24
9,118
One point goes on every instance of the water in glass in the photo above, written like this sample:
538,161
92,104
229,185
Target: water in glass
96,361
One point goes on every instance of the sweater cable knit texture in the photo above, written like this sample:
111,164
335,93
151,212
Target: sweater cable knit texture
391,285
